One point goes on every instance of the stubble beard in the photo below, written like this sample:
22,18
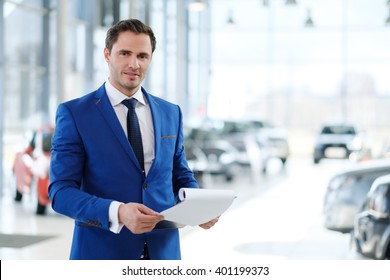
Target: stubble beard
129,86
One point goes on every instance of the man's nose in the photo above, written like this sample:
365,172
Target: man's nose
133,62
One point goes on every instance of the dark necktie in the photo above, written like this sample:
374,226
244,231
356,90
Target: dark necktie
133,130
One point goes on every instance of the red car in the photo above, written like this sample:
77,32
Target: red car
32,166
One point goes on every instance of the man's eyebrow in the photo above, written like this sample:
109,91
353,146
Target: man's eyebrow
144,53
124,50
129,51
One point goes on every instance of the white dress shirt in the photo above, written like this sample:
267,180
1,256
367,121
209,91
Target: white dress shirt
144,116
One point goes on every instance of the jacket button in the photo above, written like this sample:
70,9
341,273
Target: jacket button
145,186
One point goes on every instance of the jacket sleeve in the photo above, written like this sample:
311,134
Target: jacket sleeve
66,170
182,176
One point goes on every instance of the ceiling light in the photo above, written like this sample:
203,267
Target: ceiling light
387,22
291,2
230,21
309,21
197,6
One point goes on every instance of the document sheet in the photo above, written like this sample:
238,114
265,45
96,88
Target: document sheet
198,206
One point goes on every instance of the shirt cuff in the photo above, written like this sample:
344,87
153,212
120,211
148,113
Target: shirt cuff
115,226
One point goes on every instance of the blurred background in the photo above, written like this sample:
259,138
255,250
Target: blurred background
257,80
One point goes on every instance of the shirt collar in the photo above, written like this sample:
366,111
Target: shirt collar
116,97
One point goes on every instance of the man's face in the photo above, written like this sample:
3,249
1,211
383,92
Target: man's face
129,61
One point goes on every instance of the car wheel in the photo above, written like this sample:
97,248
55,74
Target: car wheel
316,160
41,209
18,195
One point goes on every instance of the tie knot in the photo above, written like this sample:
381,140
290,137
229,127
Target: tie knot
130,103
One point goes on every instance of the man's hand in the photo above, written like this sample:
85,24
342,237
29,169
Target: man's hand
138,218
209,224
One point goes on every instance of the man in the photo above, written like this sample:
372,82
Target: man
96,177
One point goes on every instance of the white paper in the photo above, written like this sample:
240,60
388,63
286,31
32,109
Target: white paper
198,206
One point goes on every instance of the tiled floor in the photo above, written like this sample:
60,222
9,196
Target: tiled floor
19,218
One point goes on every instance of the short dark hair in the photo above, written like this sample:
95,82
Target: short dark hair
133,25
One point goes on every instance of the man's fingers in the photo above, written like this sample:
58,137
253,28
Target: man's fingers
147,211
209,224
139,218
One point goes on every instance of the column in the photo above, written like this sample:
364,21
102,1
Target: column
2,96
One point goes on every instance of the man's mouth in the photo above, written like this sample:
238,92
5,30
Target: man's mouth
131,74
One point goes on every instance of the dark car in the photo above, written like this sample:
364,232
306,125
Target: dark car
253,149
221,156
347,191
221,159
371,235
339,141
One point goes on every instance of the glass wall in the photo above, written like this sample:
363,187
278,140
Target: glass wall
296,65
25,95
269,62
24,62
53,52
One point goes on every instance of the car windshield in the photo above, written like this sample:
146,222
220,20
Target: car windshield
338,130
358,185
379,201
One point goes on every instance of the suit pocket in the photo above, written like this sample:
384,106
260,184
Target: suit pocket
168,136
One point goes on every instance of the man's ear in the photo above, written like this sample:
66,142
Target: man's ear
106,55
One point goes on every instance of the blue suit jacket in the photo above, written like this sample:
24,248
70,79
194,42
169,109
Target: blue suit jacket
94,164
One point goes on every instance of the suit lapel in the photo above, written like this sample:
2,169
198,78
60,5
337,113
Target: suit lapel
156,117
103,105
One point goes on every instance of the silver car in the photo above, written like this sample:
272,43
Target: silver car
347,192
340,141
276,137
